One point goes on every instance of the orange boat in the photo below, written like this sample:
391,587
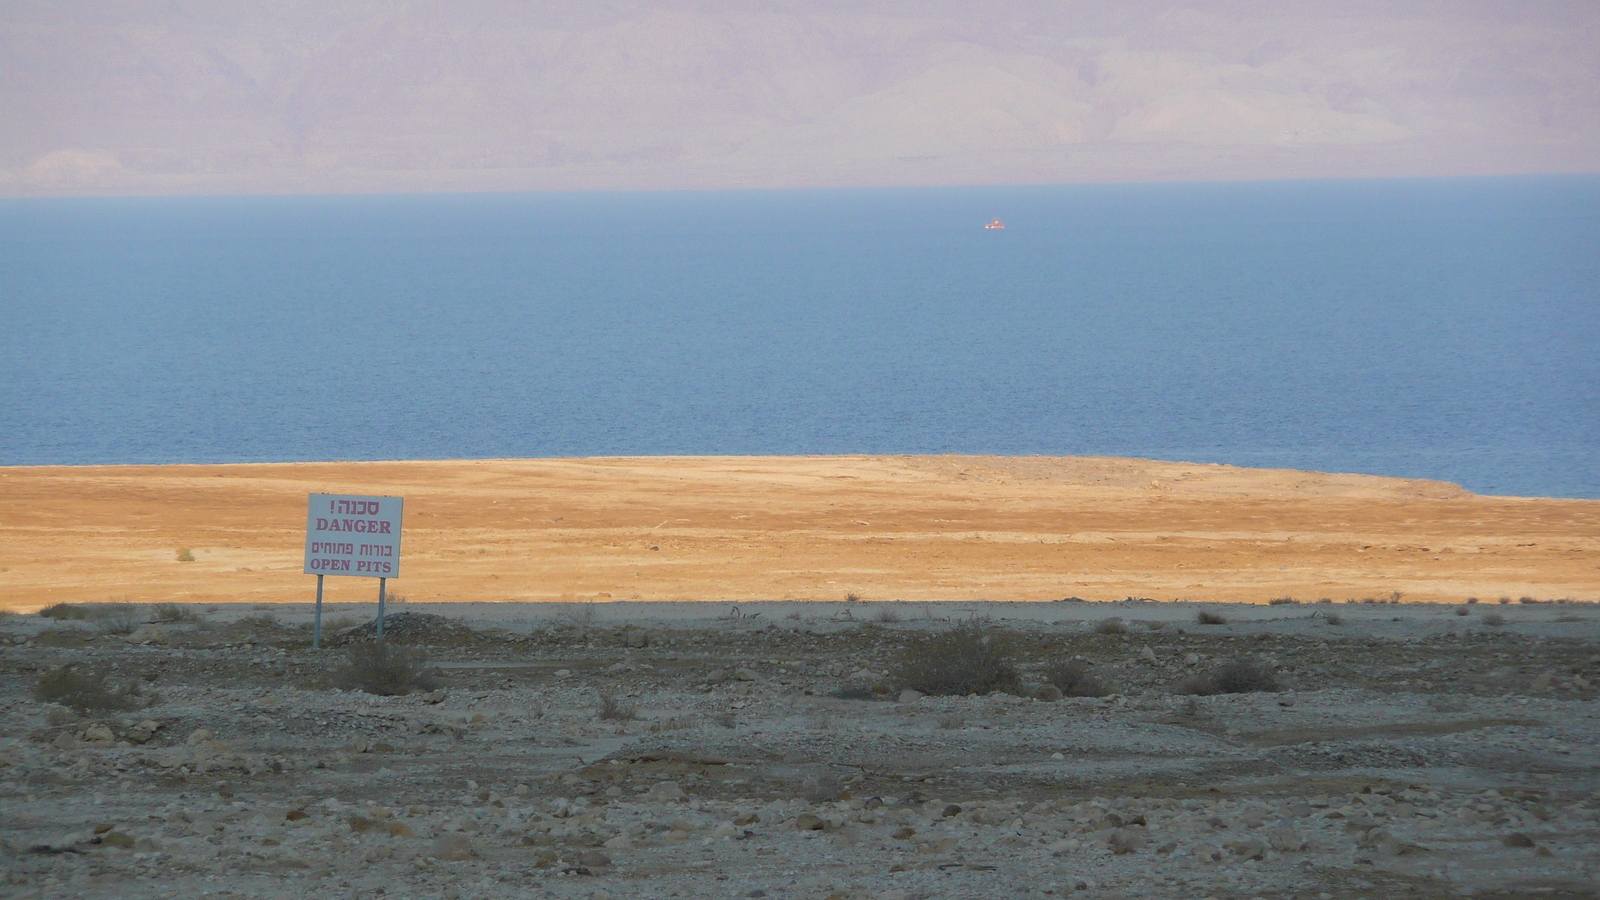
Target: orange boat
995,223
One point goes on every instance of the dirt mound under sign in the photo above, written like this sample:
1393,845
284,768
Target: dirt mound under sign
410,628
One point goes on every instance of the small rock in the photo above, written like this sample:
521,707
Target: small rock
636,639
1147,654
593,859
1191,659
199,736
99,734
808,822
910,696
666,792
1286,700
1542,683
1048,693
951,811
1285,839
745,674
1518,839
434,696
1121,842
905,834
452,848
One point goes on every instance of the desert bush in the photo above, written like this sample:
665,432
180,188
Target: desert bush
263,621
1463,611
174,614
614,710
62,611
1472,600
1074,679
185,554
1237,677
383,669
966,659
888,615
87,689
1494,619
952,722
852,598
1281,601
856,692
1527,601
1112,625
119,617
70,637
1504,601
1207,617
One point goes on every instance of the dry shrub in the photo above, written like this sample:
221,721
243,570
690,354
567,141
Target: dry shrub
967,659
63,637
383,669
888,615
1207,617
63,611
1112,625
87,690
118,617
1463,611
185,554
260,622
1237,677
857,692
1281,601
614,710
174,614
1494,619
1074,679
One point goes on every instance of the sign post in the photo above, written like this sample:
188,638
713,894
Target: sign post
352,535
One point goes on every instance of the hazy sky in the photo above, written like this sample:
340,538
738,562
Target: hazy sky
125,96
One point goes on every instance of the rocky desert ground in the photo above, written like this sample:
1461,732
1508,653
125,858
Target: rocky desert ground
658,750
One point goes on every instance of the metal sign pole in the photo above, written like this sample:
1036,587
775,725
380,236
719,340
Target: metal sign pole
316,629
381,583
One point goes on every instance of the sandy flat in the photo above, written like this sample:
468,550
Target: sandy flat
742,529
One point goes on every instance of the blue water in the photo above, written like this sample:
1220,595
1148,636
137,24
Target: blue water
1444,329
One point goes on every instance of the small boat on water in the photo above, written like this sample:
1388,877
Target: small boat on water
995,223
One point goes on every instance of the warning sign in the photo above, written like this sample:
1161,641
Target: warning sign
348,535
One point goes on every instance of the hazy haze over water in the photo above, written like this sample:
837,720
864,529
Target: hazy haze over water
1431,328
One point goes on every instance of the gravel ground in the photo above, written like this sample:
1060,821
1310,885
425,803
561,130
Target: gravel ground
770,752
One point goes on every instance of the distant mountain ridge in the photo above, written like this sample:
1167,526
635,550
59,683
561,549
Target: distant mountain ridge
380,96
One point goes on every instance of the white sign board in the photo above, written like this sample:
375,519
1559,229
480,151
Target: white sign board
348,535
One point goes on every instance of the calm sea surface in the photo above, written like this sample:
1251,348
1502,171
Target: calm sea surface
1444,329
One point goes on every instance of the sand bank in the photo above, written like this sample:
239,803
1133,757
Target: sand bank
744,529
